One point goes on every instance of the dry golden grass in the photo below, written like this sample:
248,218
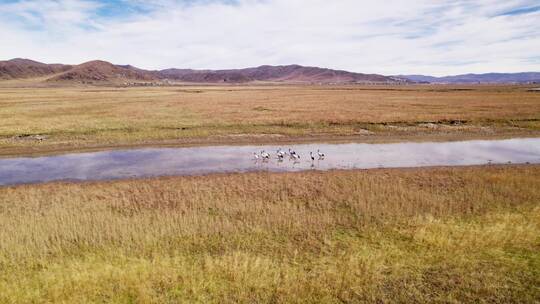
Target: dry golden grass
422,235
95,117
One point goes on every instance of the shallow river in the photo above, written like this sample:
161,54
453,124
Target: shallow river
148,162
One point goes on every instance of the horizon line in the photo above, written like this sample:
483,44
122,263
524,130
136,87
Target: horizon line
272,65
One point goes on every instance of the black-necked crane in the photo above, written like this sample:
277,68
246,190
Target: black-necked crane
295,157
321,155
312,157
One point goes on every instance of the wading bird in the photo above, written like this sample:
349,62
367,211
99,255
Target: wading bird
321,155
291,152
265,154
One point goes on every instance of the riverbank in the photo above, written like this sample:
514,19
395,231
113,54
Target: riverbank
35,148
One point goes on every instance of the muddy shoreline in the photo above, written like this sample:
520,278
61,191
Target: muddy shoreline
255,139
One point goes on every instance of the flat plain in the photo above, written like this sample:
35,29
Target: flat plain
41,120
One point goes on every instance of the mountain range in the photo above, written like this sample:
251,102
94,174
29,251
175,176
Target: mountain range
102,72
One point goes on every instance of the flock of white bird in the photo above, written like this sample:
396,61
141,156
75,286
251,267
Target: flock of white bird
291,154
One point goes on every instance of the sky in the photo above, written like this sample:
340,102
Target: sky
431,37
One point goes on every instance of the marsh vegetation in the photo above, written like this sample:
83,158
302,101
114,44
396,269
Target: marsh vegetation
416,235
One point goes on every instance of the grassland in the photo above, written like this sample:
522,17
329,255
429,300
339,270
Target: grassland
54,119
410,235
442,235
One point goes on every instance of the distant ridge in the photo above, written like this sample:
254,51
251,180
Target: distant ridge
527,77
286,73
25,68
103,72
99,72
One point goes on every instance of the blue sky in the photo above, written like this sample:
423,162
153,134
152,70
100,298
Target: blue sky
440,37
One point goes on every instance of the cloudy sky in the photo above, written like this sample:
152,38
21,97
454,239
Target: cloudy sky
436,37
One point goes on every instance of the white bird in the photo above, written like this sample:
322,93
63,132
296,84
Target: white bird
312,157
291,152
321,155
280,153
265,154
256,156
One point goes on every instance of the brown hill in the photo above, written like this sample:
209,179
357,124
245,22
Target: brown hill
204,76
102,71
288,73
297,73
24,68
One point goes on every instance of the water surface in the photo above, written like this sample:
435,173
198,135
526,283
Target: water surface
149,162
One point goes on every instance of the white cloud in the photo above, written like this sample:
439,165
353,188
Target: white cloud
429,37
